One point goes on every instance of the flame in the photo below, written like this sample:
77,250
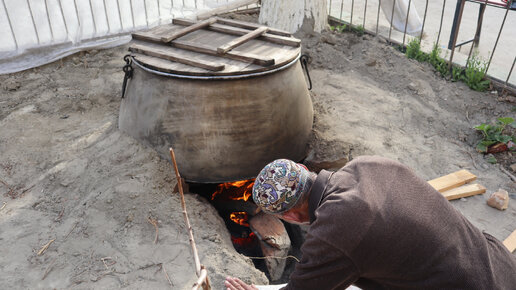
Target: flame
244,241
239,217
238,190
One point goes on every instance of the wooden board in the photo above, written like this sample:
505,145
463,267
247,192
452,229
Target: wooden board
251,26
452,180
510,242
239,31
242,56
241,40
255,55
464,191
176,34
165,53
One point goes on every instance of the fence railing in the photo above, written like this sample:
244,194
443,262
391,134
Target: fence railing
36,32
493,39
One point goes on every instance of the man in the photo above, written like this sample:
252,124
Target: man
376,225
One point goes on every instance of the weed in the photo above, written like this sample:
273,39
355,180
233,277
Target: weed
457,74
339,28
493,134
359,30
475,72
437,62
414,50
491,159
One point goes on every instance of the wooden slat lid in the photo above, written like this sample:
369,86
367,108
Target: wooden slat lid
214,47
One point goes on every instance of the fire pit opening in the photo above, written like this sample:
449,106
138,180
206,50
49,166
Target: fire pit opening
267,240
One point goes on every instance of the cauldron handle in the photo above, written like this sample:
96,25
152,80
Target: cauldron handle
304,63
128,70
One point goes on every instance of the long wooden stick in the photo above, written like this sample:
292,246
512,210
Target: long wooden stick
185,215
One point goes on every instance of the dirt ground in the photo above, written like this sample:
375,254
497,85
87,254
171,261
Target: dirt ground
70,176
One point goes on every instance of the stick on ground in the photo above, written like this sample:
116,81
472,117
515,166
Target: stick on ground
45,247
154,222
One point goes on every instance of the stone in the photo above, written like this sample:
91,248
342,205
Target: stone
371,62
499,199
513,167
11,85
274,242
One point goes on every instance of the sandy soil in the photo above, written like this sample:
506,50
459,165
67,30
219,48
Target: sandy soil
71,176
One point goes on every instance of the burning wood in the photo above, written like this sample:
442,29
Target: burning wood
274,241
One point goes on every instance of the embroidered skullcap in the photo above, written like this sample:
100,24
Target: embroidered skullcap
280,184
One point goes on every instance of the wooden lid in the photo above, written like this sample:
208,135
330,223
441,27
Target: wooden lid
214,47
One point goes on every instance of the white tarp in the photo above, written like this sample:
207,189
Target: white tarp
36,32
399,17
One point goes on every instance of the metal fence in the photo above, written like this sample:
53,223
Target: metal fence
35,32
493,39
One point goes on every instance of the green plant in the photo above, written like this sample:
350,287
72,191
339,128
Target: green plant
493,134
359,30
457,73
339,28
434,58
414,50
475,72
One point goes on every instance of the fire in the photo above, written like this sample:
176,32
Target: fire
238,190
239,217
244,241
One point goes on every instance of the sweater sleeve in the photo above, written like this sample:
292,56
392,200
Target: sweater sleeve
322,267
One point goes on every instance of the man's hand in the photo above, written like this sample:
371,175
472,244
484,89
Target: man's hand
237,284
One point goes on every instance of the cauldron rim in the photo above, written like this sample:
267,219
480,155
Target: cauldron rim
216,77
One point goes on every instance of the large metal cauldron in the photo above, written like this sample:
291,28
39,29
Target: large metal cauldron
222,128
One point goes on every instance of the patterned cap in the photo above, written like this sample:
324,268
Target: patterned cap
280,184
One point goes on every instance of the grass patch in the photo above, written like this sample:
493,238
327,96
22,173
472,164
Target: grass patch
358,30
475,72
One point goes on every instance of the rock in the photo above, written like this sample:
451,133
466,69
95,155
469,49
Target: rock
499,199
330,39
11,85
371,62
513,167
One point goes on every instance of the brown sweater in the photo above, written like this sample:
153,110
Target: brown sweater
377,225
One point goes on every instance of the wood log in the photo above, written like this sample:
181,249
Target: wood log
274,242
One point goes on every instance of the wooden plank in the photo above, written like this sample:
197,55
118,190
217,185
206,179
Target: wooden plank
186,30
225,8
464,191
291,41
242,39
452,180
510,242
146,36
164,54
249,25
236,55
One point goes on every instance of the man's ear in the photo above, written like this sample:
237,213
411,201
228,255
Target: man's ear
291,216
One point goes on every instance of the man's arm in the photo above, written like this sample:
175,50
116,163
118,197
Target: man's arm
322,267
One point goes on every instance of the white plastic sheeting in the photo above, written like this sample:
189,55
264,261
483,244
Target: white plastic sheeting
399,16
36,32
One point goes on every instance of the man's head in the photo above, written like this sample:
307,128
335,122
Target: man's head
282,189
